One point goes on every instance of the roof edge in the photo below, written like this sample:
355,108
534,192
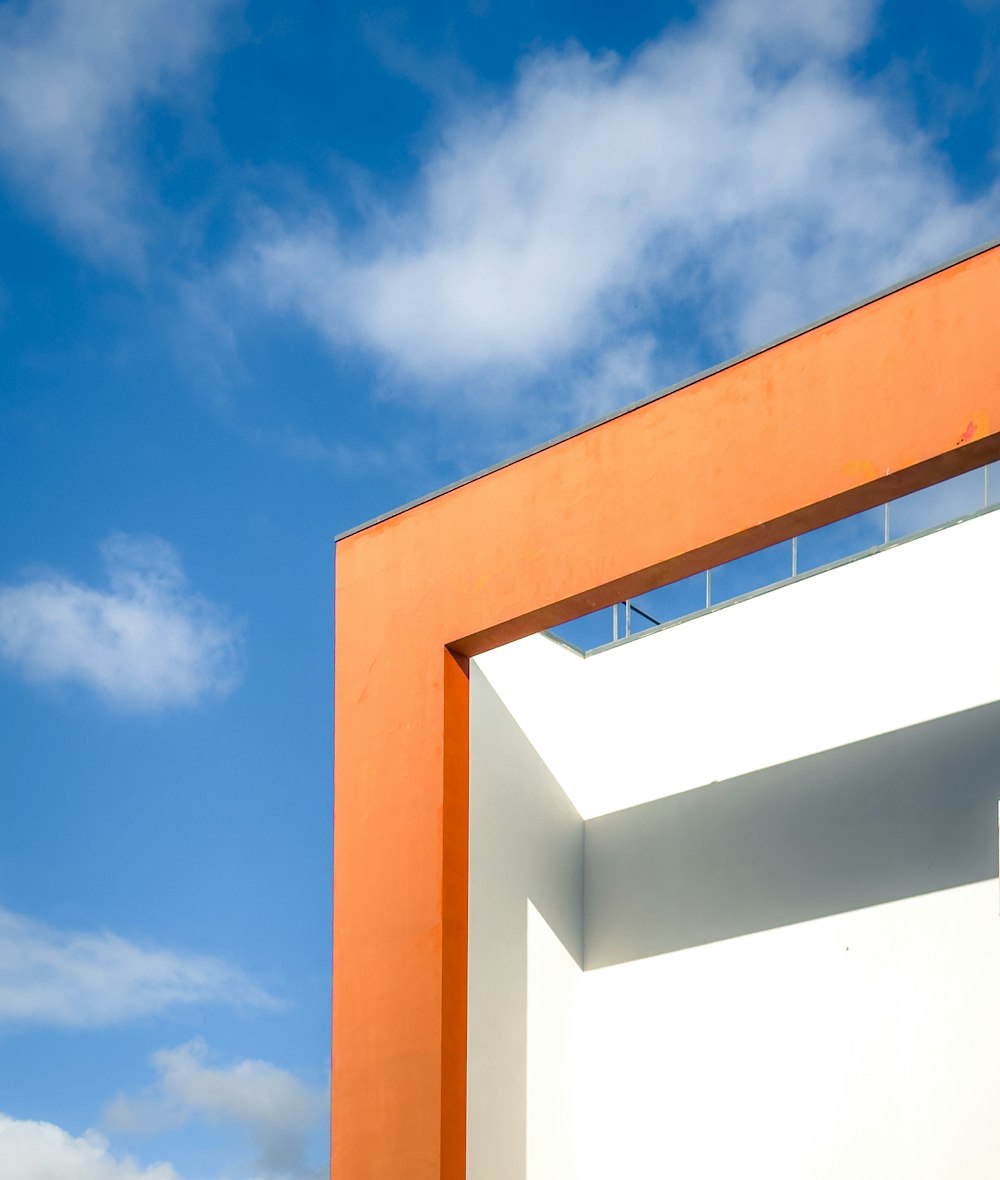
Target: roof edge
984,248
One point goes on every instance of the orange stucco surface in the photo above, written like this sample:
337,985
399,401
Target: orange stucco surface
892,396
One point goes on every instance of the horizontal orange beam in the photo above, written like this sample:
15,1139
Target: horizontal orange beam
892,396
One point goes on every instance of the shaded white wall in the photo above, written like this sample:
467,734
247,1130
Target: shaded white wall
891,817
525,857
863,1042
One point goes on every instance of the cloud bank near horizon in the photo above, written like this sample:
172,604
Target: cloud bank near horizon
35,1150
276,1109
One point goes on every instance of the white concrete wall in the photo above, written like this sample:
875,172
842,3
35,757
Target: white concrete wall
552,1141
525,858
886,641
862,1045
861,1039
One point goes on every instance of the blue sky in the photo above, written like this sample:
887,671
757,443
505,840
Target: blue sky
268,270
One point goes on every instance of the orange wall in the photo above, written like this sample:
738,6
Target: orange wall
889,397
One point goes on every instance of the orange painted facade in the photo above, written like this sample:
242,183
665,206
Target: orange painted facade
894,395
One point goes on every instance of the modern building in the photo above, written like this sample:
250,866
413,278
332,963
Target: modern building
720,897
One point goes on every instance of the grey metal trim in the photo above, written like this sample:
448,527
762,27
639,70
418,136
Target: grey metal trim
744,356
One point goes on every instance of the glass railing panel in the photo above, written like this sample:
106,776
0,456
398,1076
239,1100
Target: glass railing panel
993,483
588,631
753,572
842,539
937,505
671,602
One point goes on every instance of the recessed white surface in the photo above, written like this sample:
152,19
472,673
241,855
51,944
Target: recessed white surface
862,1044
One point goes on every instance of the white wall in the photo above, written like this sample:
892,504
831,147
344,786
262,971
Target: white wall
858,1040
551,1101
863,1045
525,857
886,641
894,816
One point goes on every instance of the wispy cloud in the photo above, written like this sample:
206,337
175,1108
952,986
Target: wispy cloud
75,979
276,1109
146,642
74,77
728,182
42,1151
273,1108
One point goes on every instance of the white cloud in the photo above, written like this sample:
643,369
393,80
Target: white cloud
623,372
76,979
73,76
733,177
42,1151
271,1104
147,642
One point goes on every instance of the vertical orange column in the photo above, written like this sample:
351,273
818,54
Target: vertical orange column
455,916
395,952
401,891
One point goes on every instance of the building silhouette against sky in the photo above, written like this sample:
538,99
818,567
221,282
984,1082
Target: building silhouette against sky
721,897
